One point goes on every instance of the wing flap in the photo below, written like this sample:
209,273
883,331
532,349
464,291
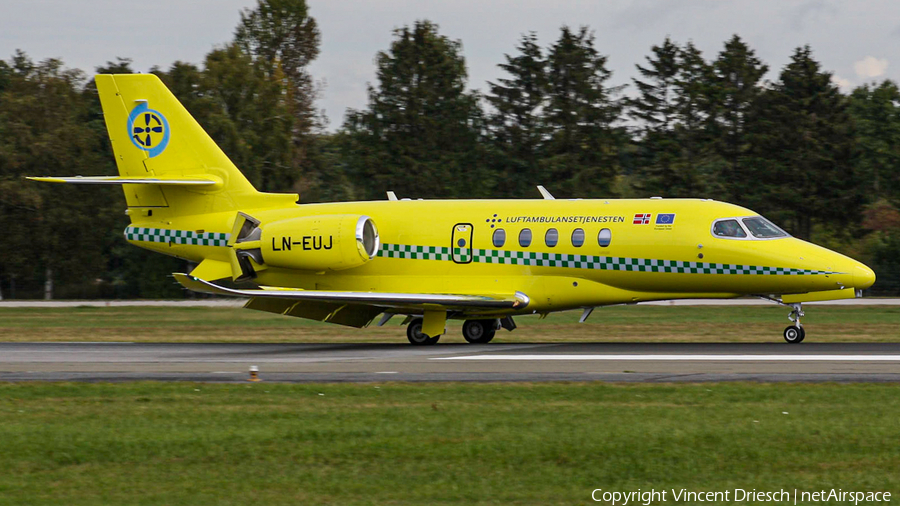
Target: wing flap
351,315
381,299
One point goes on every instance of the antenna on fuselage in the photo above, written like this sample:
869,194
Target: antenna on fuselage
391,195
545,193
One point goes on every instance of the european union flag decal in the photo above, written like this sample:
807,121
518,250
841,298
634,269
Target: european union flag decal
665,219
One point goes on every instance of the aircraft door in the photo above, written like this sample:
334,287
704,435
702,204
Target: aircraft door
461,243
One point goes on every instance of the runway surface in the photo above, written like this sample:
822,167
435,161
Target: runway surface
644,362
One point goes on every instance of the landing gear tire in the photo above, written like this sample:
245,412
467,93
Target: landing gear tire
415,335
794,334
479,331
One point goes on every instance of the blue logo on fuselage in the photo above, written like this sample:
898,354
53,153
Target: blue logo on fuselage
148,129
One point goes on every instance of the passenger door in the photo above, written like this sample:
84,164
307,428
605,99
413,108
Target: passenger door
461,243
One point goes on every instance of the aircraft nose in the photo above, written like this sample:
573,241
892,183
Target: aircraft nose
863,277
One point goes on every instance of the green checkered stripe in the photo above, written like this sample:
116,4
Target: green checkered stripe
408,252
535,259
176,236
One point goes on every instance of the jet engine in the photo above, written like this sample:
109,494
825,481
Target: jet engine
315,243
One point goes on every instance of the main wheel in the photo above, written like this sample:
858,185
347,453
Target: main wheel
415,335
794,334
479,331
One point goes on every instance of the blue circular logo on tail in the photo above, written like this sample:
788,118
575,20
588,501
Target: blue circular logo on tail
148,129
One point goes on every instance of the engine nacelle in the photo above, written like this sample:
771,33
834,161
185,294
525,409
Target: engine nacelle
317,243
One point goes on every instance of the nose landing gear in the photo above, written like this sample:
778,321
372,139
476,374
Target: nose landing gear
795,333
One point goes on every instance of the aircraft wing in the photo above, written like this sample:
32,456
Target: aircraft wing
381,299
179,181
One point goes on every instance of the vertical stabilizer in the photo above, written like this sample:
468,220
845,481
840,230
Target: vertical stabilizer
153,135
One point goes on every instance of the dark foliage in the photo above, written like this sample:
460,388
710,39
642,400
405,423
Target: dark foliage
822,164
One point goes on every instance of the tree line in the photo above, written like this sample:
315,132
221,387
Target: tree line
821,163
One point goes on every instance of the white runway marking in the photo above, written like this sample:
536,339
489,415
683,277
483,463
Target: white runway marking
691,358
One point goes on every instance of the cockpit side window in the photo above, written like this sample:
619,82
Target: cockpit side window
762,228
728,228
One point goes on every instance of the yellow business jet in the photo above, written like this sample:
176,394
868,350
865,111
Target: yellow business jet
482,261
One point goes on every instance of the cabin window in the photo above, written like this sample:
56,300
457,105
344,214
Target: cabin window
525,237
551,237
499,238
762,228
604,237
578,237
728,228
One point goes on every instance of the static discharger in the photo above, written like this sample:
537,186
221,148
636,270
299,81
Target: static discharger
254,373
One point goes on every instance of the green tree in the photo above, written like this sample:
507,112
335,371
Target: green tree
803,144
655,109
282,39
737,73
243,110
55,233
262,126
698,162
421,132
326,179
876,111
516,124
582,154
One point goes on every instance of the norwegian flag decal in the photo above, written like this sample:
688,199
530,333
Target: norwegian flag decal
642,219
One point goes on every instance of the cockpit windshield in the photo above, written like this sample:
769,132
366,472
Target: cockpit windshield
728,228
748,228
762,228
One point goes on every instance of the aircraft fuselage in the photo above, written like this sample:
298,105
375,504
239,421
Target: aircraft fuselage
581,253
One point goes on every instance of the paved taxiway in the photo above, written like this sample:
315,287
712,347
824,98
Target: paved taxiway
451,362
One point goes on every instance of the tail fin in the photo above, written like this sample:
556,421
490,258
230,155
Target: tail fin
157,142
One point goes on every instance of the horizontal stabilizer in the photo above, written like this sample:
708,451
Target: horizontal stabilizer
180,181
381,299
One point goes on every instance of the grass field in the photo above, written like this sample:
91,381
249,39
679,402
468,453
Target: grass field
402,444
439,443
610,324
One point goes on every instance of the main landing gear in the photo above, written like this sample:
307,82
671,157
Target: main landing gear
474,331
479,331
795,333
415,335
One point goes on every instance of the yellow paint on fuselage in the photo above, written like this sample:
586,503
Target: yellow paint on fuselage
430,224
154,137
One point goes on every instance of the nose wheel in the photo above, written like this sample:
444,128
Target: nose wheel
795,333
